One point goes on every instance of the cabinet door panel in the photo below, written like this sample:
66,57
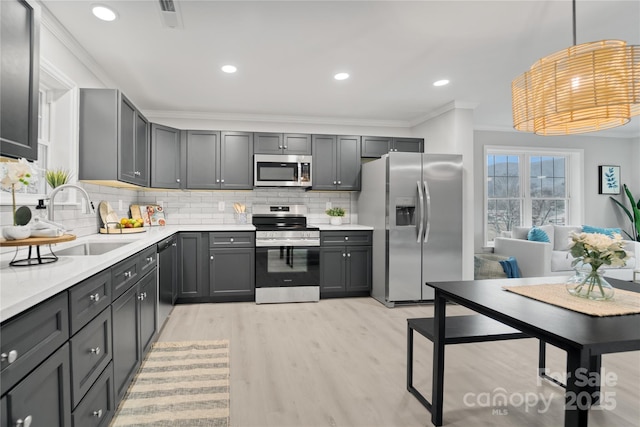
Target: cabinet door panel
126,357
165,157
148,311
89,298
324,162
126,147
232,272
98,406
297,143
44,394
349,163
409,145
332,269
190,265
203,152
375,146
141,154
267,143
236,160
19,78
359,268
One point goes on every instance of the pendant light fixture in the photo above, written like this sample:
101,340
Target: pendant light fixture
584,88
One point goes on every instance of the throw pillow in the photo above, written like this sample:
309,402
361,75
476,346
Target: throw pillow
562,237
520,232
538,235
600,230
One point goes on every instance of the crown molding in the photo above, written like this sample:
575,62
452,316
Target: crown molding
51,23
453,105
265,118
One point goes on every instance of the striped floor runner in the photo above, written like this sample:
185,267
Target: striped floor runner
180,384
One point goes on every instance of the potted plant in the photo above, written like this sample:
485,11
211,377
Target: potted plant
336,215
57,177
633,214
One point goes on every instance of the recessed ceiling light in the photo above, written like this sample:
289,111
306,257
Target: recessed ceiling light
341,76
103,12
229,69
443,82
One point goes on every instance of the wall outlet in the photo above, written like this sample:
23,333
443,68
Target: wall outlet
221,206
327,205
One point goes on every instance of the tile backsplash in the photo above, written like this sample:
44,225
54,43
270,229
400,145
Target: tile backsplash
192,207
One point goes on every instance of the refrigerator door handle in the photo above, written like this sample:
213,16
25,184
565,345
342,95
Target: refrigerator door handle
427,208
421,222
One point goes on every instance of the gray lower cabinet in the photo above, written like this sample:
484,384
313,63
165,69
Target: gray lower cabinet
377,146
134,320
336,162
232,274
114,138
192,265
345,263
219,160
166,169
279,143
4,420
43,396
19,77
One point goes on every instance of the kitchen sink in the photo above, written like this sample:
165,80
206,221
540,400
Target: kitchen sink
91,248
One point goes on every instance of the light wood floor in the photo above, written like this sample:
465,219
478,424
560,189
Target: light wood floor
342,362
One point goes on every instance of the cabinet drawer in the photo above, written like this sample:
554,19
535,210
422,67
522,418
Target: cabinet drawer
237,239
90,354
89,298
342,238
123,275
98,406
31,337
147,260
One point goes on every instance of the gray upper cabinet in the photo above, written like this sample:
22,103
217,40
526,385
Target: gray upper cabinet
377,146
19,78
219,160
278,143
336,162
165,157
114,138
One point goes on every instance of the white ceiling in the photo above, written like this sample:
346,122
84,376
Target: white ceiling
288,51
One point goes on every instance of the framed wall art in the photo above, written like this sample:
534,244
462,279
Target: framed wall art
608,179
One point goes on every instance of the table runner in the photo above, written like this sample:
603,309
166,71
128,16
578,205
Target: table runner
623,302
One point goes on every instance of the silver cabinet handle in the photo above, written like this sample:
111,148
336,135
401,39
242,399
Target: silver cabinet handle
335,182
211,257
98,413
177,179
343,255
217,180
145,294
95,351
174,244
346,237
285,147
127,274
141,297
231,239
222,180
11,357
149,259
95,297
349,255
339,182
280,147
24,423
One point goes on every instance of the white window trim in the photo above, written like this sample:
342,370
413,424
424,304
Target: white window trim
574,175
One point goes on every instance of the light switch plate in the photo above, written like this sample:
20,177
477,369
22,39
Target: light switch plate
221,206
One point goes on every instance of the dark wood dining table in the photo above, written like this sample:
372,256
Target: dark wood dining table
584,338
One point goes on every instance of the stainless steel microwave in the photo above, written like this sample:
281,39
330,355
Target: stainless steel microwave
281,170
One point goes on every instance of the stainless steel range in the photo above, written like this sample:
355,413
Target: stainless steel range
287,255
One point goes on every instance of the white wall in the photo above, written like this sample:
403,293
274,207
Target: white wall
599,210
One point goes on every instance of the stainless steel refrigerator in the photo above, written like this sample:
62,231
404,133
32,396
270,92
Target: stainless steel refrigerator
413,201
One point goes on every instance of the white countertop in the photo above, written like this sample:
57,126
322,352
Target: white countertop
23,287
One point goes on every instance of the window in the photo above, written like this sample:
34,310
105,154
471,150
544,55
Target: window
526,187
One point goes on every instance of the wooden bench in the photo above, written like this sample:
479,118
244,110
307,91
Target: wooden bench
462,330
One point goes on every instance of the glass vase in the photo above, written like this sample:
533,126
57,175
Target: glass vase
590,284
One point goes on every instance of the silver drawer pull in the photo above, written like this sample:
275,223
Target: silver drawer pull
349,255
231,240
95,298
127,274
344,255
178,180
141,297
346,237
11,357
149,259
24,423
98,413
95,351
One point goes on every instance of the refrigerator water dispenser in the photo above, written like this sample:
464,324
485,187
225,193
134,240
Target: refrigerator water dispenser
405,216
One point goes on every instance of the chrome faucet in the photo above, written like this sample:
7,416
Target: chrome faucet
52,195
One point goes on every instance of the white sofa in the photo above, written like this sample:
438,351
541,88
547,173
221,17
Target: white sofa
536,259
